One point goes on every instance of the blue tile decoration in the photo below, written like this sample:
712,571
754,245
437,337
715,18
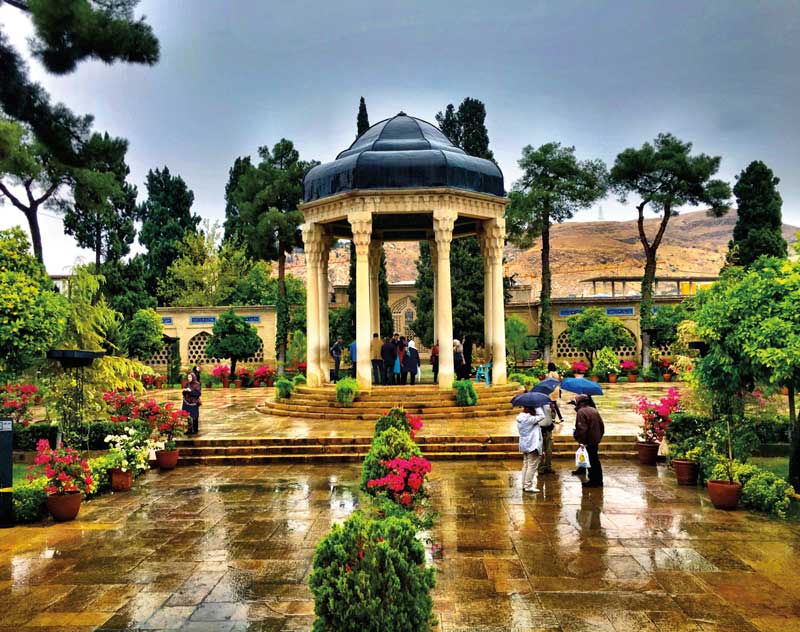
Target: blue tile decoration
619,311
252,319
571,311
166,320
202,320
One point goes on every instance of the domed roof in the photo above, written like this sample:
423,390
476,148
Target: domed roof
402,152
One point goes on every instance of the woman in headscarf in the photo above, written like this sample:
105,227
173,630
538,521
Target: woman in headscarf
411,362
191,403
458,359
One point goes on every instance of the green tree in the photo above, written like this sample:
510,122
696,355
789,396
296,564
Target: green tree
665,323
554,186
232,337
144,334
517,339
665,176
267,196
363,118
66,33
591,330
166,219
759,222
232,225
750,320
101,217
125,288
32,313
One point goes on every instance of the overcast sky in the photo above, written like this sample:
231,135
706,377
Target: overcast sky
602,76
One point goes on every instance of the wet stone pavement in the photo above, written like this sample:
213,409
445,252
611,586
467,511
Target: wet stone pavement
230,549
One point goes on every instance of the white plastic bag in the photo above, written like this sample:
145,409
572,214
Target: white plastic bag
582,458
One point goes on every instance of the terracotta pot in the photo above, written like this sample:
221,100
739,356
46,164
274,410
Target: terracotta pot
685,471
633,378
226,383
723,494
648,452
64,507
237,383
121,481
594,378
667,377
167,459
612,377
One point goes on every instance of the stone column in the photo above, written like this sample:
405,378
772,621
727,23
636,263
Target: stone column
312,244
495,239
435,267
488,295
324,300
361,224
374,296
443,221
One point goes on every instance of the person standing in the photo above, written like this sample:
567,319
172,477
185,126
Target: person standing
530,444
589,431
352,351
435,362
547,426
410,363
388,355
375,349
458,359
191,403
398,364
336,354
552,372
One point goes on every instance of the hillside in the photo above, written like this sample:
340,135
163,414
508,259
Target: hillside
694,244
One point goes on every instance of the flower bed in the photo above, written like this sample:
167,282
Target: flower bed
17,400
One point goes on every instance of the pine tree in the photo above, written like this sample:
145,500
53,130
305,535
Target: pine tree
363,118
758,227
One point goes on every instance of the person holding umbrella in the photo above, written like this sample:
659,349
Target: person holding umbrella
530,444
589,431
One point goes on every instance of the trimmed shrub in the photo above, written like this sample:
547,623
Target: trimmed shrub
26,437
284,388
299,379
346,391
92,434
525,380
391,444
400,419
465,393
370,576
30,501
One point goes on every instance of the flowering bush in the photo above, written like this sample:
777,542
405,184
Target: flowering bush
170,424
393,443
371,575
16,401
579,367
120,406
222,372
657,415
63,468
400,419
628,367
301,367
128,451
405,481
149,381
265,374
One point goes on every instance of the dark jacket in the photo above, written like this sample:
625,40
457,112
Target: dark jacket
191,400
589,427
389,353
411,360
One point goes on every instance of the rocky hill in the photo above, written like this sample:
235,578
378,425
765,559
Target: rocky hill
694,244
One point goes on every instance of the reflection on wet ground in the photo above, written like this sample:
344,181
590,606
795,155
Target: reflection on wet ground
231,548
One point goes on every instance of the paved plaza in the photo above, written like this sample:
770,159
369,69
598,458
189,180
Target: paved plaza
230,549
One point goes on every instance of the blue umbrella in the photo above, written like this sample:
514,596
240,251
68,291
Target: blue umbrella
547,386
581,386
531,400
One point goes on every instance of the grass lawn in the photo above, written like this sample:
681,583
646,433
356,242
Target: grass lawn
20,472
776,464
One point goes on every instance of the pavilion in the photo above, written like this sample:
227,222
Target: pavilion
402,180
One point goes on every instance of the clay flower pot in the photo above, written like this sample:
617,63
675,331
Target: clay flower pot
226,383
685,471
633,378
724,494
121,481
667,377
594,378
648,452
167,459
64,507
612,377
237,384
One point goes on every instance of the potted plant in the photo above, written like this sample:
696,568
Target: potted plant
223,373
264,375
629,369
579,368
128,455
169,425
606,364
656,418
725,494
67,476
685,461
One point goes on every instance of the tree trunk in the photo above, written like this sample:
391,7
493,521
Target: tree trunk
282,319
233,368
794,456
36,235
646,305
545,315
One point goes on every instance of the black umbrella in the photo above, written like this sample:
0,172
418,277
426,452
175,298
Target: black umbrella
547,386
531,400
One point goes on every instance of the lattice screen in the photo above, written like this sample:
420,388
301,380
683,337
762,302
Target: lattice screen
564,348
627,352
160,359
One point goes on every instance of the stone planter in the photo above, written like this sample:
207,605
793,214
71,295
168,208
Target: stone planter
724,494
685,471
64,507
648,452
121,481
167,459
612,377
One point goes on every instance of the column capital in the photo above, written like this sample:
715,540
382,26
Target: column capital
312,242
444,220
361,225
493,239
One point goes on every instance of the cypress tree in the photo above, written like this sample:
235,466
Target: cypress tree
363,118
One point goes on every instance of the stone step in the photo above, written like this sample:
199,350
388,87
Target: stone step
375,412
422,440
338,458
305,400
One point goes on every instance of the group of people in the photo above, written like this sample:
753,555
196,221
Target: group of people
395,360
536,426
